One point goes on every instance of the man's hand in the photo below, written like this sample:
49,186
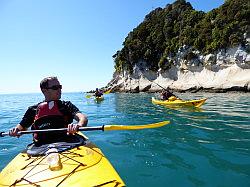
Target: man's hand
14,132
72,128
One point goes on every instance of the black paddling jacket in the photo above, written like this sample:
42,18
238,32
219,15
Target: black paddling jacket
49,115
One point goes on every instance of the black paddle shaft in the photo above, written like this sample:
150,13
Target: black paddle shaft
2,134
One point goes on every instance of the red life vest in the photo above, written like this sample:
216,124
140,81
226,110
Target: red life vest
47,109
48,116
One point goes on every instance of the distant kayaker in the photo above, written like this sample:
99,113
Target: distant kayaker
98,93
166,95
52,113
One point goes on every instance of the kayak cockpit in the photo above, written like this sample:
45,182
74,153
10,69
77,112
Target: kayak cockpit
39,150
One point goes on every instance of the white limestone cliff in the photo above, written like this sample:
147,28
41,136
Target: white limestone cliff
226,70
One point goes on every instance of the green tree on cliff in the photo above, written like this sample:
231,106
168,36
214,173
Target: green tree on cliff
165,30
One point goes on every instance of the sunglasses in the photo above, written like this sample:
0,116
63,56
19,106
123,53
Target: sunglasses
55,87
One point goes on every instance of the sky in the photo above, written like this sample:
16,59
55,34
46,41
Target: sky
71,39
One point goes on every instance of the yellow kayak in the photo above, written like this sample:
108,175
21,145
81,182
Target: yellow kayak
98,99
78,163
179,102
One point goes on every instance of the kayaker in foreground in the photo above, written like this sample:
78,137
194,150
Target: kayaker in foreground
52,113
167,95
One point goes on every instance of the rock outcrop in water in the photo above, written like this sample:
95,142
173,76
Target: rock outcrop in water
183,49
224,71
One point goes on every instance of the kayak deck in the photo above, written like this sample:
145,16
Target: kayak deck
178,102
98,99
84,165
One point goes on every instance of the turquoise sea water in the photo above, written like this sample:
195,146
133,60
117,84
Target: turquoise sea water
207,147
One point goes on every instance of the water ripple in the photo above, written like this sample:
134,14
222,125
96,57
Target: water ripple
198,148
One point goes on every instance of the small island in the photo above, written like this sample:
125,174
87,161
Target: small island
183,49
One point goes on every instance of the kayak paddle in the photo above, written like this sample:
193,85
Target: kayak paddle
108,91
88,96
160,86
103,128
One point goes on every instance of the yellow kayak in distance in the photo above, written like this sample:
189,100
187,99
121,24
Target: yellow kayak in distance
179,102
99,99
78,163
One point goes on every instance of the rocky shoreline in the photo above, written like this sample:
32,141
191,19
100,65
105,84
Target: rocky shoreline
227,70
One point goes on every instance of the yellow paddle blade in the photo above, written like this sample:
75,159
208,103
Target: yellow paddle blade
107,92
135,127
88,96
